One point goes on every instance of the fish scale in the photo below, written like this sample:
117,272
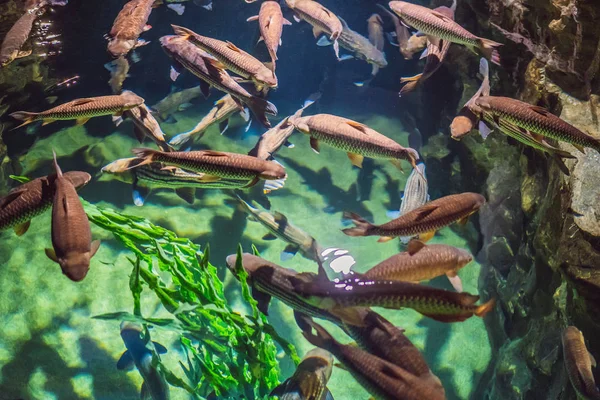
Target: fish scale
156,177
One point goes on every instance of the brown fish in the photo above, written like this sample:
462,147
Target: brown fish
408,44
71,234
82,110
33,198
438,26
357,139
16,37
175,102
375,29
382,379
422,263
128,26
232,58
144,125
118,69
579,362
423,221
321,19
212,73
270,22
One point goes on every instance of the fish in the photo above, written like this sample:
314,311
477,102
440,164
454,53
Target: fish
578,363
415,194
139,355
309,381
423,221
382,379
217,165
360,47
27,201
321,19
212,73
144,124
376,36
437,27
357,139
423,262
232,58
272,140
223,109
407,44
16,37
270,21
118,69
145,178
72,245
174,101
435,56
280,227
82,110
437,304
130,23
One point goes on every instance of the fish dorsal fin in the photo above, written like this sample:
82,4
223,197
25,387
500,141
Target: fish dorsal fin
233,47
280,218
414,246
212,153
65,205
424,211
540,110
326,11
80,102
357,125
441,16
592,360
10,197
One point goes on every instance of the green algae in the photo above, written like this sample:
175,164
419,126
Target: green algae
226,352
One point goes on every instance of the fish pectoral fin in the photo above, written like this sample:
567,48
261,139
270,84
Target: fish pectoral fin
51,254
398,164
384,239
205,88
314,144
349,315
286,22
593,360
187,194
252,18
125,362
160,349
223,125
48,121
81,121
262,299
579,147
289,252
435,41
463,221
269,236
414,246
356,159
316,32
94,246
22,228
216,63
10,197
210,178
139,134
427,236
233,47
455,281
341,366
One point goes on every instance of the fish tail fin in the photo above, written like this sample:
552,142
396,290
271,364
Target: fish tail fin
411,78
321,338
485,308
181,139
56,166
181,31
362,225
489,51
261,107
411,84
147,156
25,116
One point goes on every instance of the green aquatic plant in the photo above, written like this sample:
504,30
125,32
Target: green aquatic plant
227,353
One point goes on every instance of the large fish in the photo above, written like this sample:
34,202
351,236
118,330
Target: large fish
376,32
212,73
72,246
579,362
423,221
139,355
421,263
321,19
280,227
131,21
438,26
271,22
82,109
16,37
118,69
154,176
224,108
33,198
175,101
232,58
309,381
218,165
382,379
357,139
438,304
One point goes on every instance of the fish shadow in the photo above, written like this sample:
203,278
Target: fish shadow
392,187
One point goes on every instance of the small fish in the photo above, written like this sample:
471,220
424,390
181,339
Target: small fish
139,355
72,246
270,22
415,193
321,19
357,139
309,381
438,26
224,108
154,176
173,102
16,37
212,73
438,304
423,221
407,44
232,58
579,362
82,109
128,26
33,198
217,165
118,69
421,263
279,227
376,36
382,379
